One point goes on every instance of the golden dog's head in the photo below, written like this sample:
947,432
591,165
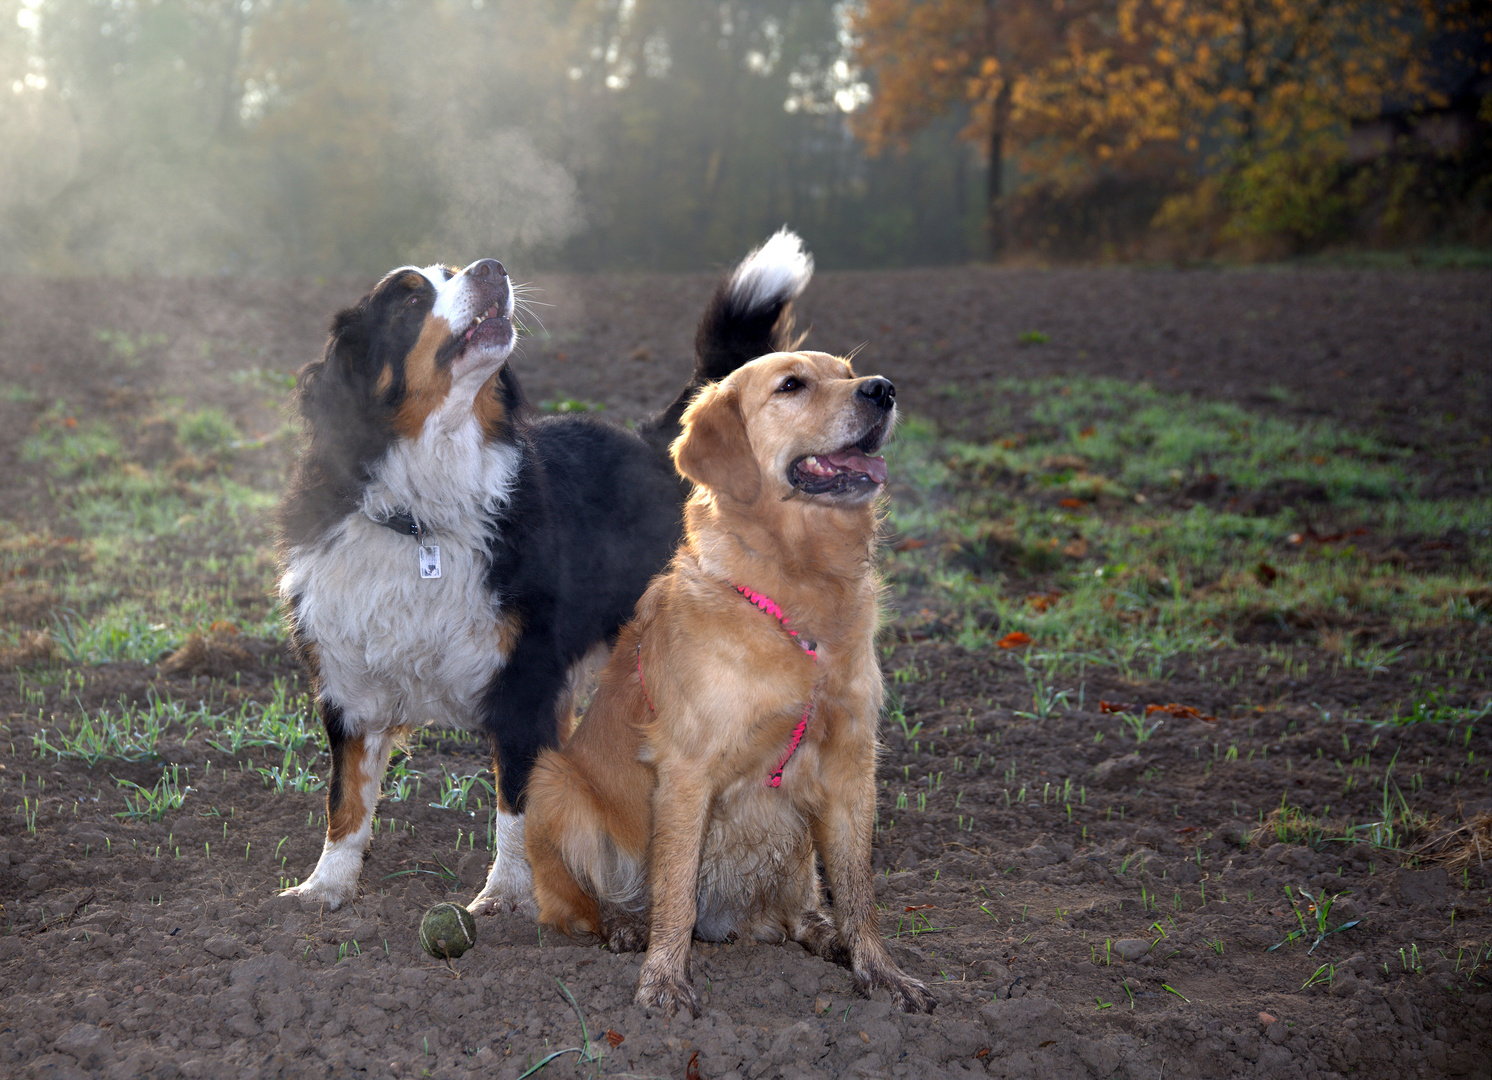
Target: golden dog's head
788,423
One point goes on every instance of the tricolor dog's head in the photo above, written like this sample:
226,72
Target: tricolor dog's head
424,341
789,423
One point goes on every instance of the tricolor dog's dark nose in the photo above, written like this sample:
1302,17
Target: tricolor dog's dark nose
487,268
881,392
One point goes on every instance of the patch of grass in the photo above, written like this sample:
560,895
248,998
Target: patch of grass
156,534
18,395
126,735
121,632
129,349
291,774
1138,728
1433,709
1313,919
69,448
154,803
1152,527
206,431
1287,824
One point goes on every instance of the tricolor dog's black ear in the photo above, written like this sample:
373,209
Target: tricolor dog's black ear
715,451
338,380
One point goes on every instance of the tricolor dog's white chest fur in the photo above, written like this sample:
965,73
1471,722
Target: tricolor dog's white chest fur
395,648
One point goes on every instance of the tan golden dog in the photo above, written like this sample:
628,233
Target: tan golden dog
733,734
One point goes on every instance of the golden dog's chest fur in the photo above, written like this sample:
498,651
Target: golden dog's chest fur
656,821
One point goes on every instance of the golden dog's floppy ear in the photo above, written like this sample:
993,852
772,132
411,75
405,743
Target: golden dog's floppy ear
714,451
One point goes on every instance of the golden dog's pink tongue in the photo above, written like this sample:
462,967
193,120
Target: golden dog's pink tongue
855,461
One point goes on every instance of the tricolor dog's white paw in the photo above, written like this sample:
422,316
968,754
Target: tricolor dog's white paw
334,881
510,884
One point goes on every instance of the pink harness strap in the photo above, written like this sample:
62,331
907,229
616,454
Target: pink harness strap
771,607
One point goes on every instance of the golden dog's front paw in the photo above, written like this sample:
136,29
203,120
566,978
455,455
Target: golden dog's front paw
907,994
667,990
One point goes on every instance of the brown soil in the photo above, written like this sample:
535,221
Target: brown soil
1116,927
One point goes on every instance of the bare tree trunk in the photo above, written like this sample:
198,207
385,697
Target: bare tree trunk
995,224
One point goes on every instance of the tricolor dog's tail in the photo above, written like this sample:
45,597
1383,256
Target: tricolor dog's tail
750,315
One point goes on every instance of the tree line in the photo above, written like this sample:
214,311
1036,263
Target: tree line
321,137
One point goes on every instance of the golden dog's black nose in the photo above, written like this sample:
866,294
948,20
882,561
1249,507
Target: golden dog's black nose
487,268
881,392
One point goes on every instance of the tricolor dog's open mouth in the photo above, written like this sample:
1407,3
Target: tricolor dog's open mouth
856,469
492,328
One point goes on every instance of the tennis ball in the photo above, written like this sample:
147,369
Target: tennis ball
447,931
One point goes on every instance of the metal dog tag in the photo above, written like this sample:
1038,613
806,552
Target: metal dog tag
429,560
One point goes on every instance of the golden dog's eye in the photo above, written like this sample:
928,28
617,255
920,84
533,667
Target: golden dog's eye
789,384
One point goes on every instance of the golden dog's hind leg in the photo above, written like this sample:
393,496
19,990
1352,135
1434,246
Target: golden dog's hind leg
555,809
680,811
843,836
623,929
817,933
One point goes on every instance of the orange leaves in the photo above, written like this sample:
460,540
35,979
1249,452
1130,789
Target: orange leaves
1016,639
1174,709
1180,712
1072,94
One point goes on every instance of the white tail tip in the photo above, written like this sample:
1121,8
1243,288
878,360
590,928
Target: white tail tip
774,273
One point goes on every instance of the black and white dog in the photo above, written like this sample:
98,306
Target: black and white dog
448,559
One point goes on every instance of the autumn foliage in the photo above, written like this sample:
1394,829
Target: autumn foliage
1243,107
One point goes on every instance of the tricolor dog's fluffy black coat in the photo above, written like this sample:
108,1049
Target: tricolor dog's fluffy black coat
547,532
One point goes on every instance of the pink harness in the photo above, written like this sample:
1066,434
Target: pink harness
771,607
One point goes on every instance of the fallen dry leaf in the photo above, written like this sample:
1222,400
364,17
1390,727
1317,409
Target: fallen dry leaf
908,545
1180,712
1266,1019
1115,707
1014,640
1071,504
616,1038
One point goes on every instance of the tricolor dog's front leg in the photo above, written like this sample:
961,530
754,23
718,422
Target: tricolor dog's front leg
521,716
510,882
358,764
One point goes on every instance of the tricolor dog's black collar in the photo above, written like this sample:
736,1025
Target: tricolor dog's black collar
403,524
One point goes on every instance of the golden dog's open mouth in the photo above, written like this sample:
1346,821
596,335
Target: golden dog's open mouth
843,472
